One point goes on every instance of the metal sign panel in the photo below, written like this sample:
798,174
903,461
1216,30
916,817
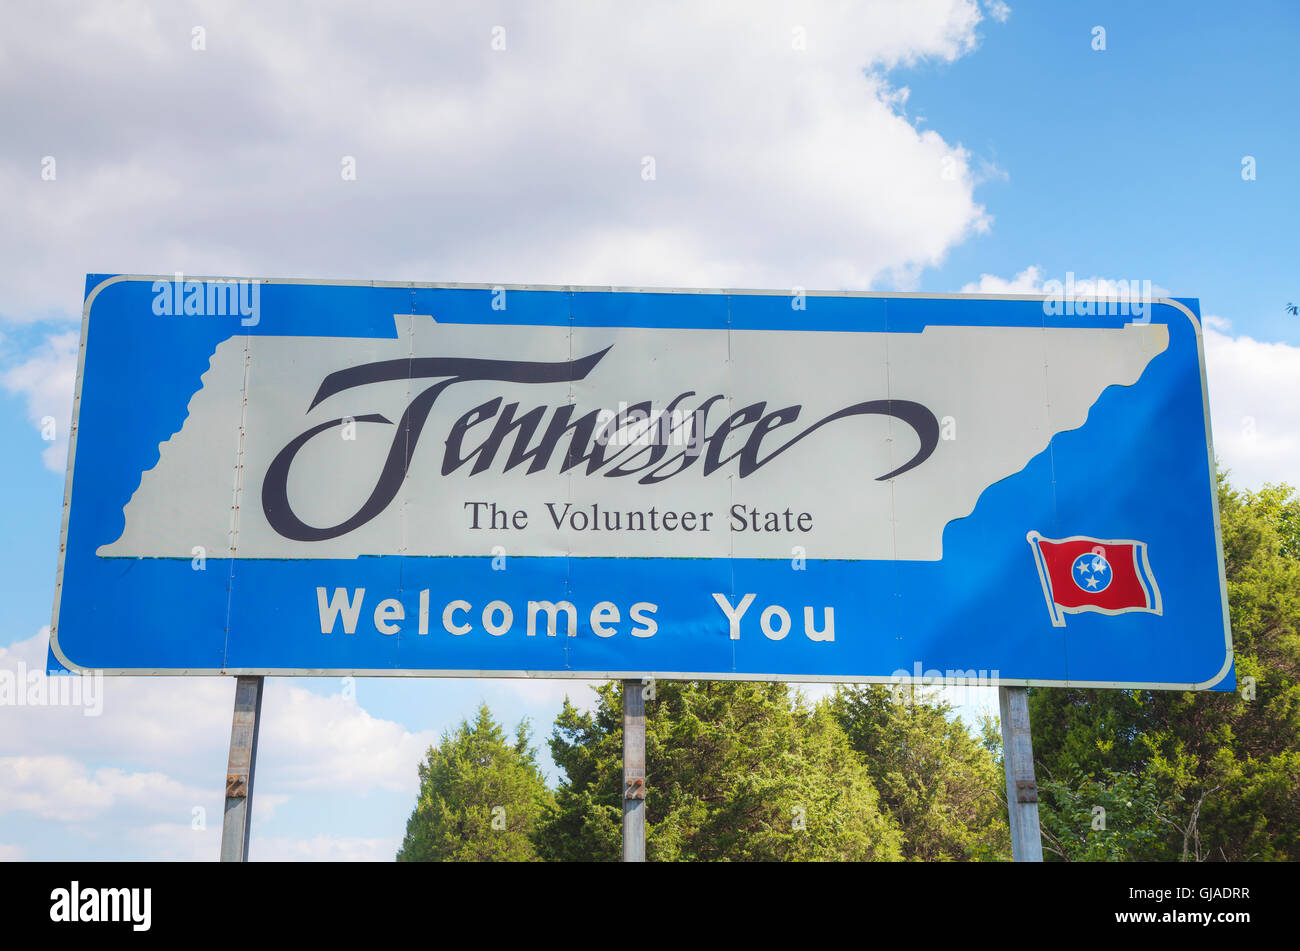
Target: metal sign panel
297,477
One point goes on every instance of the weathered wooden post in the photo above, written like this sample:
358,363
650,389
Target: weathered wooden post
1018,763
633,772
237,819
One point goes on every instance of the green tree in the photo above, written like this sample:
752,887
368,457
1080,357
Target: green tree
1222,769
1279,507
943,786
1114,819
481,797
736,771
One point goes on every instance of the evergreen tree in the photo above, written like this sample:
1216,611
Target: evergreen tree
481,797
736,771
944,787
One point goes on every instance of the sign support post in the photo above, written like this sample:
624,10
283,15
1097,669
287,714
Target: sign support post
1018,763
633,772
244,724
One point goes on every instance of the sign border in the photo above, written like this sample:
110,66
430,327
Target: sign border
621,674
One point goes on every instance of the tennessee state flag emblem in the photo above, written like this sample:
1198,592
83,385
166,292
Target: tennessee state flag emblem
1108,576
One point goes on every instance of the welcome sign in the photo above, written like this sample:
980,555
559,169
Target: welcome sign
287,477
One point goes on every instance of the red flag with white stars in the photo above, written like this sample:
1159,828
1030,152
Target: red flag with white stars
1106,576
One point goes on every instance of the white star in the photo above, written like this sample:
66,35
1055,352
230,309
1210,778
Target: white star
1092,582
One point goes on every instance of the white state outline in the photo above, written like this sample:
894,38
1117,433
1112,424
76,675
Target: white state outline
618,674
1151,592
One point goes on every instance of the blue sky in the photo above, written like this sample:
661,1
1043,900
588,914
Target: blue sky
1127,163
773,170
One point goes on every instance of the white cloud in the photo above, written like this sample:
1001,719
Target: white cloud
46,380
323,848
320,742
145,722
313,739
158,750
1028,281
59,787
780,154
547,692
1032,281
998,10
1254,391
179,841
